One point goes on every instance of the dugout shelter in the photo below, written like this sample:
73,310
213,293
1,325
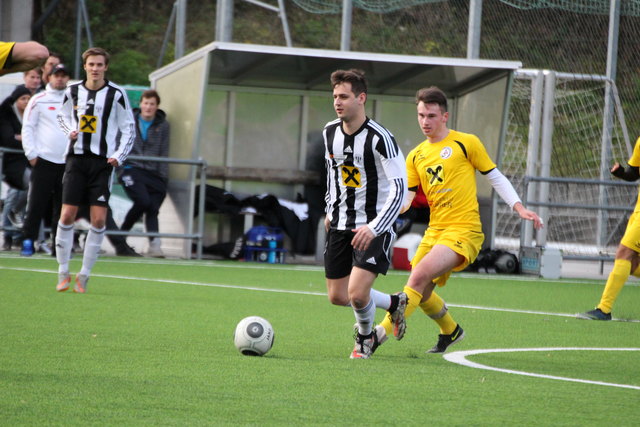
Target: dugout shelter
255,114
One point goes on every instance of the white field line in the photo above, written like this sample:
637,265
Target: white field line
290,291
293,267
460,357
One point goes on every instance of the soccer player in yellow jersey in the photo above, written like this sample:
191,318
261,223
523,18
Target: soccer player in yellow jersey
628,253
21,56
444,166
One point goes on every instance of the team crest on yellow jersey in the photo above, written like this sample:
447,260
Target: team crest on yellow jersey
446,152
435,174
88,123
351,176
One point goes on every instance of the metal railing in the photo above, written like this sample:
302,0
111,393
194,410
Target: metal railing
597,207
196,236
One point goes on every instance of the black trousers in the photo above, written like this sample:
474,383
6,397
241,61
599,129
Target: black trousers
45,198
147,192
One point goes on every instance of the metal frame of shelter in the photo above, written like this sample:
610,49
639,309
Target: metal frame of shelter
220,97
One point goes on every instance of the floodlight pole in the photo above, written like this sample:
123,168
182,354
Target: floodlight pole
224,20
81,15
475,26
181,25
347,12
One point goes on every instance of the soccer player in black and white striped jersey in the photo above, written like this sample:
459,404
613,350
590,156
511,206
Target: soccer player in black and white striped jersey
366,188
96,116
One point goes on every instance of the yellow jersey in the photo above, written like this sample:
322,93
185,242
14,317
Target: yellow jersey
446,172
5,50
635,162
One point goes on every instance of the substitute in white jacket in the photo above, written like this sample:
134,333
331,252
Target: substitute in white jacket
45,146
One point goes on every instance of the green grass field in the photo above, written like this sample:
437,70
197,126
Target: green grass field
151,344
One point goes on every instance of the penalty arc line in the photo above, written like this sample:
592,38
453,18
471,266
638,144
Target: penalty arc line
460,358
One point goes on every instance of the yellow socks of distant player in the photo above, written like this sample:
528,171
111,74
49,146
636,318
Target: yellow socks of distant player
413,302
436,309
617,279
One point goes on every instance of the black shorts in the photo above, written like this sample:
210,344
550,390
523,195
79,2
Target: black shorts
340,256
86,181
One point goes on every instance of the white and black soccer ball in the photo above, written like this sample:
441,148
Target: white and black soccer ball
254,336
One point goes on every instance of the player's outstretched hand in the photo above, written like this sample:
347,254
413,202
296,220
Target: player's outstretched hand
529,215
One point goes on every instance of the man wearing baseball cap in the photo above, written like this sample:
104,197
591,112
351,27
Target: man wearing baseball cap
45,146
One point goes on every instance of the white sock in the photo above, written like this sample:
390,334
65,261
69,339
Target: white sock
380,299
365,317
64,243
92,245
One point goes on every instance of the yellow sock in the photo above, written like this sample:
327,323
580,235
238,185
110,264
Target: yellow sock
637,272
436,309
615,282
413,301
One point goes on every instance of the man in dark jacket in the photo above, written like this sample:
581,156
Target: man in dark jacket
145,182
14,165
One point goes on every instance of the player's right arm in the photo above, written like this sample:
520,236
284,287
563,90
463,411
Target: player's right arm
24,56
65,120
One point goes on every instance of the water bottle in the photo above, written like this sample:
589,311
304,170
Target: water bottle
272,251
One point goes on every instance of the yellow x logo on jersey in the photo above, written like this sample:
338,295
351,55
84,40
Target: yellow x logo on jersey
351,176
436,175
88,124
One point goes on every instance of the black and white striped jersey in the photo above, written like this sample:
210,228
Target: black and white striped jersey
366,177
103,119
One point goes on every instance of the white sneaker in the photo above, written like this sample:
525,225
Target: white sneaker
81,284
155,249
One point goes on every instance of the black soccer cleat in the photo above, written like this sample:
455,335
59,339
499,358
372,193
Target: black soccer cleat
444,341
596,314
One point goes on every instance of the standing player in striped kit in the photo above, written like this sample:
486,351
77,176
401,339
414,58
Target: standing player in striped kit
92,113
366,188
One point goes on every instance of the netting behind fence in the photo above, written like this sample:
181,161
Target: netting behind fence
577,152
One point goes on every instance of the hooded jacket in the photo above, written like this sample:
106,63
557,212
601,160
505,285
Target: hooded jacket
156,145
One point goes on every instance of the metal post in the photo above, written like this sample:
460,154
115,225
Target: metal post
167,34
347,12
201,207
224,20
607,125
546,149
475,26
87,26
533,148
181,24
285,25
76,68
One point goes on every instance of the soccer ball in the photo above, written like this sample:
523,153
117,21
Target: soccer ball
254,336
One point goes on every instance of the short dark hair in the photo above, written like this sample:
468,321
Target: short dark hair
150,93
432,95
38,71
95,51
353,76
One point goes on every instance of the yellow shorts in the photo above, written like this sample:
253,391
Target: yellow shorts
631,238
464,242
5,50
